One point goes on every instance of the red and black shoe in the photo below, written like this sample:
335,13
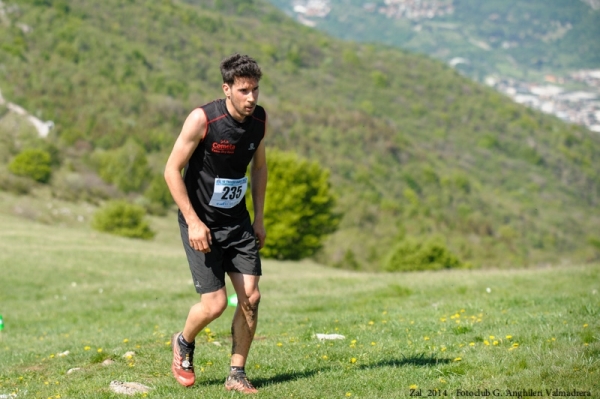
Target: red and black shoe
183,362
237,381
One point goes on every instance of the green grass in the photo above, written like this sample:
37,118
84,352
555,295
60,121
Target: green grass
68,288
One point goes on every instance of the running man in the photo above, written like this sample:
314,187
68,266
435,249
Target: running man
216,144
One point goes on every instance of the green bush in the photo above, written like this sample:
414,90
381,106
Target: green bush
126,167
123,219
414,255
299,206
33,163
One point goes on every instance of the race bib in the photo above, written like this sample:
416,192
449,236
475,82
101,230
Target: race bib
228,192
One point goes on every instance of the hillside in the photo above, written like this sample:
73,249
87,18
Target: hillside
512,38
415,150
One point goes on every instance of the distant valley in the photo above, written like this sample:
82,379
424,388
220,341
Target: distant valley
519,48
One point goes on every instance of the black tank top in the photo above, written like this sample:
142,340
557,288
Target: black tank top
216,172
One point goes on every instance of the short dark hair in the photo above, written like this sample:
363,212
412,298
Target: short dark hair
239,66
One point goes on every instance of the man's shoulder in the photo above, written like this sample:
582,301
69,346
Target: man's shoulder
260,114
213,109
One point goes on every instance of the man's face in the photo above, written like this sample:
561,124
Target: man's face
243,96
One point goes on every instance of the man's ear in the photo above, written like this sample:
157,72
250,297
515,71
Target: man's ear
226,90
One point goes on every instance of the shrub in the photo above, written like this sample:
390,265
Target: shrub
414,255
126,167
299,206
123,219
32,163
81,186
14,184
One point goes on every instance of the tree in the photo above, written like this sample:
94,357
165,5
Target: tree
33,163
157,195
299,207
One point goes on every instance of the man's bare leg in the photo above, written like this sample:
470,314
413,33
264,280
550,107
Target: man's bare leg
243,328
245,318
210,307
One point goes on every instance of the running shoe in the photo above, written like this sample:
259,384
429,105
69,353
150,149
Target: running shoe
239,382
183,362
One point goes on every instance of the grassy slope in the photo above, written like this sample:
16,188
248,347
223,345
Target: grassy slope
98,296
413,148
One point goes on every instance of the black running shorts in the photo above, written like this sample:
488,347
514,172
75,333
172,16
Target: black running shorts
234,249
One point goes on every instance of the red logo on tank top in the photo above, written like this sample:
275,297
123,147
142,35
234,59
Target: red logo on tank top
224,147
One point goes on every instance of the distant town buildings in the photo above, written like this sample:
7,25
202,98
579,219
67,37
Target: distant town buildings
575,106
307,10
413,9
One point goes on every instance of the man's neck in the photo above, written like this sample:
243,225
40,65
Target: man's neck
233,112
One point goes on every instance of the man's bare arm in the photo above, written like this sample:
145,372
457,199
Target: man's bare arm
191,135
258,175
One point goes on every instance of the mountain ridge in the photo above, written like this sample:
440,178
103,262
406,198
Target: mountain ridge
507,38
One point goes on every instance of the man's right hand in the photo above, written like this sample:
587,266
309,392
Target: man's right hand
200,238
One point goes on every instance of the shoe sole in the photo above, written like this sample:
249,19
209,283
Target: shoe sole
241,391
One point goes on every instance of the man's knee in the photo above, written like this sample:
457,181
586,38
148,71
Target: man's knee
250,306
217,311
214,307
254,299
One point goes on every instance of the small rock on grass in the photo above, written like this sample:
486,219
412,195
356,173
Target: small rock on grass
323,337
128,388
107,362
74,369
